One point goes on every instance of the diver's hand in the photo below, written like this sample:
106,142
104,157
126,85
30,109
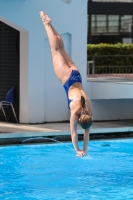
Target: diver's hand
81,153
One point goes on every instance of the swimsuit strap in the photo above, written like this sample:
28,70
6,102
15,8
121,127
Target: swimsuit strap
78,99
85,103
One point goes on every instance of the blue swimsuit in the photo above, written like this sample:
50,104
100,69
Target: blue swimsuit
74,78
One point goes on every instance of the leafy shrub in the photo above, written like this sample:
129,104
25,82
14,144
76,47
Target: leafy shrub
111,54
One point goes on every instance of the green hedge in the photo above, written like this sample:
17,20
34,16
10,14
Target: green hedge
111,49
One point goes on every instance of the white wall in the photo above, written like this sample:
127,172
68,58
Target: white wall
117,109
112,101
36,102
106,90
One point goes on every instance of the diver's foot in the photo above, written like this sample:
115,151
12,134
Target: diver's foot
46,20
80,153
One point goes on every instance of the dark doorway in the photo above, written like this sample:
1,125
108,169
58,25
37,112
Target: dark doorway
9,67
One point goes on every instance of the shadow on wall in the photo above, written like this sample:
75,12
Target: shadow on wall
67,1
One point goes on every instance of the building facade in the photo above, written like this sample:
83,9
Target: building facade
110,21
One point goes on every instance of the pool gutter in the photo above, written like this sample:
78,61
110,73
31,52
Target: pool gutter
63,135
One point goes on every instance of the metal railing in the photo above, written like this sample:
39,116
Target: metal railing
107,71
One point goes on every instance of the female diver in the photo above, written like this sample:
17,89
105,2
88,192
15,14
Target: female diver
68,74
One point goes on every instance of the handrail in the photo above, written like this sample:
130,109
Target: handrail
93,71
110,55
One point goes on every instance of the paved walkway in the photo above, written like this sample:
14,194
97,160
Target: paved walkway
19,132
97,127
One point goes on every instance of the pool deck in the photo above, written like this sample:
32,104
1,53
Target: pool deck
18,132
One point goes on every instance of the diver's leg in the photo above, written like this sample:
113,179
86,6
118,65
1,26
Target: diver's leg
58,42
62,50
61,67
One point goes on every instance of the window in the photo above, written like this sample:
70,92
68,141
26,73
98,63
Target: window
110,29
126,23
113,23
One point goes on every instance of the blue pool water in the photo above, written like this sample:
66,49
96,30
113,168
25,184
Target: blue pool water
53,172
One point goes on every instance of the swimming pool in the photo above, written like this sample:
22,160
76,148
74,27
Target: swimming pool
52,171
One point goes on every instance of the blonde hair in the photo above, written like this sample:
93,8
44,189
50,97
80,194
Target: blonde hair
85,118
